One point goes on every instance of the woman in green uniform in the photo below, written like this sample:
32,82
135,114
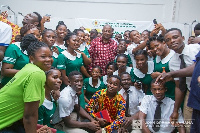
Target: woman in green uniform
52,93
61,31
81,35
49,37
70,60
141,75
122,49
111,67
16,57
164,54
93,84
122,61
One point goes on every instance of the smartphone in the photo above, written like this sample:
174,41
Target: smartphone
154,21
48,15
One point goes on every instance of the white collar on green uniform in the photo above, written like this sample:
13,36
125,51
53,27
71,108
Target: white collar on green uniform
98,84
166,59
139,74
71,57
18,45
48,104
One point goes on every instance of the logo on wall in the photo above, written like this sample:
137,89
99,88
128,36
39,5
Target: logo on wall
96,23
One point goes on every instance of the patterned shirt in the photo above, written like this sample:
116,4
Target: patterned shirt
15,28
102,53
115,107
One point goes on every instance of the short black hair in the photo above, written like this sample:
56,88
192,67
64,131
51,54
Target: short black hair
172,29
26,28
197,27
71,74
147,31
98,68
141,52
45,30
39,18
192,36
154,81
122,55
131,31
122,40
77,30
124,73
67,37
113,64
95,30
126,41
50,71
127,31
116,76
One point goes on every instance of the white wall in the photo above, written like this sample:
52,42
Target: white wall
179,11
136,10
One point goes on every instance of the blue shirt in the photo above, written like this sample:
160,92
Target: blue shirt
194,97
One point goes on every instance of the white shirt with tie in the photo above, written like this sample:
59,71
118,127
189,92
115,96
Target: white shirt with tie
189,52
148,107
135,97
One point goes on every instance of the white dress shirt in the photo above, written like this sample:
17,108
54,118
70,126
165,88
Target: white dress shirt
66,102
105,79
5,33
148,107
135,97
129,50
189,52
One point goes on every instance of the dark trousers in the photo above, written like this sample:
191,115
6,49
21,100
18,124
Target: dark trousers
16,127
195,128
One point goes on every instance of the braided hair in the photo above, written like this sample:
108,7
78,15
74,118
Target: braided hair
155,37
60,23
27,40
141,52
34,46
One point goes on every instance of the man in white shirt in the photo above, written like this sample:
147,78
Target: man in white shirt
67,102
155,111
174,41
5,38
134,99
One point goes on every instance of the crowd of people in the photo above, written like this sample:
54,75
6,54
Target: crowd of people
57,80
